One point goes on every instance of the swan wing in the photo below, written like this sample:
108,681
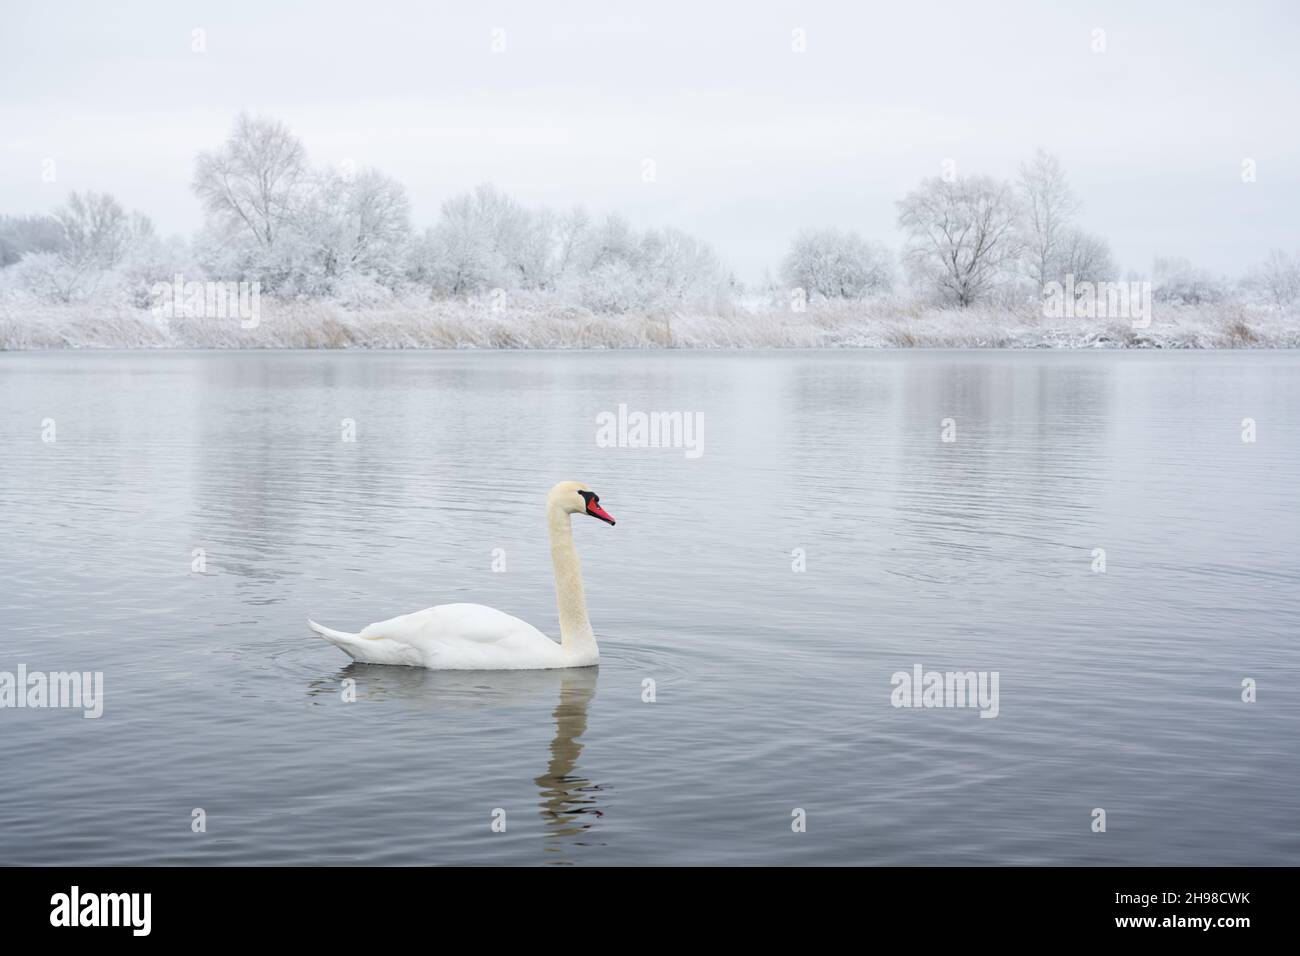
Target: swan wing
466,637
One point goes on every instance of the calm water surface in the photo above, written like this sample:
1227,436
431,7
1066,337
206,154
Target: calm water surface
1119,690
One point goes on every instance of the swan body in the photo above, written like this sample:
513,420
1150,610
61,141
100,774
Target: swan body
454,637
476,637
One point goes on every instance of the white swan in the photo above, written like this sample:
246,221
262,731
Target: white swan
475,637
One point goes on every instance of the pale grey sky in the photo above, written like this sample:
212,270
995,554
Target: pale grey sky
751,141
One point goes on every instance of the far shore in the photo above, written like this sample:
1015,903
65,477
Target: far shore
460,324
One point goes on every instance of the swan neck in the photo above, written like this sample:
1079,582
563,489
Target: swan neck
575,630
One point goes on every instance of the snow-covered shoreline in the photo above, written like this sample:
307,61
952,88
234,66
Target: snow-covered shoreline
460,324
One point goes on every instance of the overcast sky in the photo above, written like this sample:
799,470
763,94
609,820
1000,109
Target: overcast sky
751,141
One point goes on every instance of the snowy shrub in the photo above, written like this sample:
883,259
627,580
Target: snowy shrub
48,277
1274,282
357,290
612,286
837,265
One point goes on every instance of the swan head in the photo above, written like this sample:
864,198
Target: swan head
575,498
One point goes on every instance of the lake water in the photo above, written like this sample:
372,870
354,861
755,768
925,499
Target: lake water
1120,690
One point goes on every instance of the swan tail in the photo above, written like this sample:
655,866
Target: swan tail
339,639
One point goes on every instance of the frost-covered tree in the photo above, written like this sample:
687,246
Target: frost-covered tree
455,256
1177,281
300,232
376,220
1276,281
251,184
352,225
837,265
677,267
95,235
606,274
615,268
535,250
484,240
1084,256
150,260
570,229
1048,207
962,236
96,232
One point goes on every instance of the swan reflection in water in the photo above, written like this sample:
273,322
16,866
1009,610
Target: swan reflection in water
570,802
